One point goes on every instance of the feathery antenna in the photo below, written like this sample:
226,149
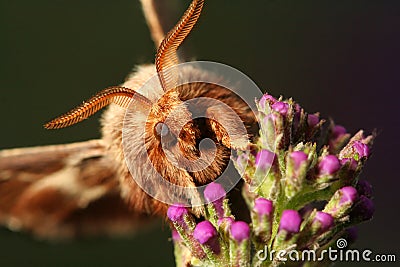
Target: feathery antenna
115,94
166,53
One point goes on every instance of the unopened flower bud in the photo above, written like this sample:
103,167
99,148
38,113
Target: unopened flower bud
312,120
239,244
298,158
341,202
318,224
206,234
362,149
323,221
329,165
184,225
262,215
290,221
265,99
176,213
264,159
281,107
215,193
240,231
296,171
263,206
348,194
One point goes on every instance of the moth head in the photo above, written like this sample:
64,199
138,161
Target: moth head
170,127
194,135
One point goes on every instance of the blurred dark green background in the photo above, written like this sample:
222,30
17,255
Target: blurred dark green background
337,57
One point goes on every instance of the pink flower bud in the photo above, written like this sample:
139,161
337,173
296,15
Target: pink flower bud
290,221
329,165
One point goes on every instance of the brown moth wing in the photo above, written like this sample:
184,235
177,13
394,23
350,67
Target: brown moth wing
63,191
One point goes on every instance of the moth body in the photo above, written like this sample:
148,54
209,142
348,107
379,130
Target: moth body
139,124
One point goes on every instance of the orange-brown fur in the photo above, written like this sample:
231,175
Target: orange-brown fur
112,124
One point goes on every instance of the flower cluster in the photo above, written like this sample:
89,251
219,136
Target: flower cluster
302,191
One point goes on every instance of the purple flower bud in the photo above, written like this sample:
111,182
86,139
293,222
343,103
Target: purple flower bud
240,231
361,148
338,130
290,221
262,216
204,231
264,159
341,202
176,213
214,192
364,210
364,188
352,163
266,98
348,194
263,206
298,158
312,120
206,234
329,165
281,107
324,220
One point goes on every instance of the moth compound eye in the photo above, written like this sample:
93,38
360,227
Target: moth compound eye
161,130
163,133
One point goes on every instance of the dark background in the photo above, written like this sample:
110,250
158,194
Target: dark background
337,57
